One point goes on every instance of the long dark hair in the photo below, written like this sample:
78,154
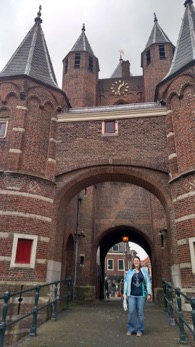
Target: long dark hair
136,257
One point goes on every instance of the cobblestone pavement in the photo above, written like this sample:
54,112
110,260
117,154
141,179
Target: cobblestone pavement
103,324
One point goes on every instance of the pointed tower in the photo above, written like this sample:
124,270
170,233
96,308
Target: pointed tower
156,59
31,105
185,50
32,58
80,73
176,90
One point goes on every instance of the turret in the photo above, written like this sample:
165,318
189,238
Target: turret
176,90
80,73
156,59
30,97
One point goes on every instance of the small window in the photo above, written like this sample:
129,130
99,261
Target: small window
77,60
82,260
115,248
66,66
90,63
148,57
162,240
110,264
110,127
121,264
3,129
161,51
24,250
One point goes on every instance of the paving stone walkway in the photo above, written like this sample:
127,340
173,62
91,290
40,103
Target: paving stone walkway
103,324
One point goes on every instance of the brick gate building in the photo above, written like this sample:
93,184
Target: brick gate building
84,165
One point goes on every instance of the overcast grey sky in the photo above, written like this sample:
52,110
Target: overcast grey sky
111,25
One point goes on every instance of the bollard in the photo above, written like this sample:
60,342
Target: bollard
68,294
54,303
192,303
164,295
182,336
6,298
172,320
33,329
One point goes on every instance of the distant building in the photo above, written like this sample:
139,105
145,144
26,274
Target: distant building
118,260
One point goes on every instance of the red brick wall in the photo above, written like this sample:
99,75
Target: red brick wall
140,141
155,71
135,92
178,93
29,163
80,84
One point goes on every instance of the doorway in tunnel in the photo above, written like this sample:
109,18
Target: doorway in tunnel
117,235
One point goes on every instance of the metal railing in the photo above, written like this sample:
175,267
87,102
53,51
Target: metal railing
8,297
173,305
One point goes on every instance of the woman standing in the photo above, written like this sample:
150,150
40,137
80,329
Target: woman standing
137,289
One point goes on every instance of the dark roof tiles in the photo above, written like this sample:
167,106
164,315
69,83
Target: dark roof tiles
118,72
185,48
32,58
82,44
157,35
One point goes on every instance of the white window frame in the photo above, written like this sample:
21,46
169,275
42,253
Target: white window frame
112,265
115,133
192,252
6,123
123,264
34,239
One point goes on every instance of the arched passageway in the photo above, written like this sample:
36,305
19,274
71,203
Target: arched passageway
152,182
112,237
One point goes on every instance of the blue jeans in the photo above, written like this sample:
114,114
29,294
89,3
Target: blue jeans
136,313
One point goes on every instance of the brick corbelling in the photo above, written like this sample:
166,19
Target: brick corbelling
174,87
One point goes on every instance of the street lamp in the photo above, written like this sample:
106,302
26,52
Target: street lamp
125,239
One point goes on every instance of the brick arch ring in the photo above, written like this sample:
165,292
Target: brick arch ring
71,183
156,182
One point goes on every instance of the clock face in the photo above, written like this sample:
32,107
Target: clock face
119,88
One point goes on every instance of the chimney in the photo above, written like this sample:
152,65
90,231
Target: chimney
125,69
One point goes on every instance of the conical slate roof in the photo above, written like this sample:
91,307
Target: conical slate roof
82,44
32,57
185,49
157,35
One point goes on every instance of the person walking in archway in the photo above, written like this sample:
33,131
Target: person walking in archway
137,289
107,289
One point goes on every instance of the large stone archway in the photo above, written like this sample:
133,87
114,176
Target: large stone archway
70,184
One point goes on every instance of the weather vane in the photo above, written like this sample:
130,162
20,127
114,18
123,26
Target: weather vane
121,54
155,17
